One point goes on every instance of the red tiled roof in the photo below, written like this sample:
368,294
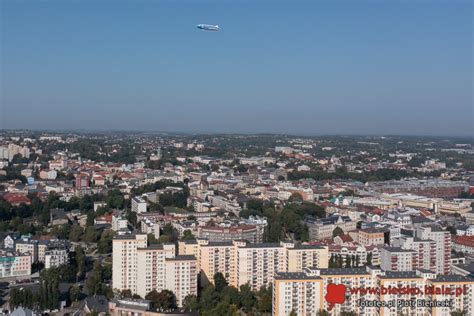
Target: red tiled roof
15,198
467,241
346,238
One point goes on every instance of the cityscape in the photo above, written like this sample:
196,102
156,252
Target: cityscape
162,224
236,158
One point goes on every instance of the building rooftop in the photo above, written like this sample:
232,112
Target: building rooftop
453,278
400,275
295,275
182,258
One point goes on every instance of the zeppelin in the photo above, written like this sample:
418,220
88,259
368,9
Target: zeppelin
208,27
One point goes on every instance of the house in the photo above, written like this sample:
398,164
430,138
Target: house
16,199
9,241
463,244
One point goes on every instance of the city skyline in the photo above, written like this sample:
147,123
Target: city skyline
303,69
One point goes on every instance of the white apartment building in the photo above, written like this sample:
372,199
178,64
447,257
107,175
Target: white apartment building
442,240
304,292
241,262
119,222
398,259
138,205
124,263
425,250
181,277
55,258
149,227
142,268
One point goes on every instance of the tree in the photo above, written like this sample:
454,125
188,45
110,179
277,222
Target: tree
80,260
337,232
152,239
264,296
348,261
127,293
323,312
188,235
295,197
191,302
451,230
293,313
369,259
163,300
247,298
94,283
223,308
76,233
74,293
219,282
209,297
90,235
104,245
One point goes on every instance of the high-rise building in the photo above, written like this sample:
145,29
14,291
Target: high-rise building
124,263
141,268
255,264
181,277
370,292
398,259
425,250
442,240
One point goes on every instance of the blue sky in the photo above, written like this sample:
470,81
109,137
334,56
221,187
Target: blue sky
300,67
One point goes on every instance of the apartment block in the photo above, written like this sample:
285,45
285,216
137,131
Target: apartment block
372,236
255,264
14,264
425,250
143,268
414,293
55,258
139,205
442,239
398,259
181,277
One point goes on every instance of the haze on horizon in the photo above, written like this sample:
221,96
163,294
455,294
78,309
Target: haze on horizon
296,67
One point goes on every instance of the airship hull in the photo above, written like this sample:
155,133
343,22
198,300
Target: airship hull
207,27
